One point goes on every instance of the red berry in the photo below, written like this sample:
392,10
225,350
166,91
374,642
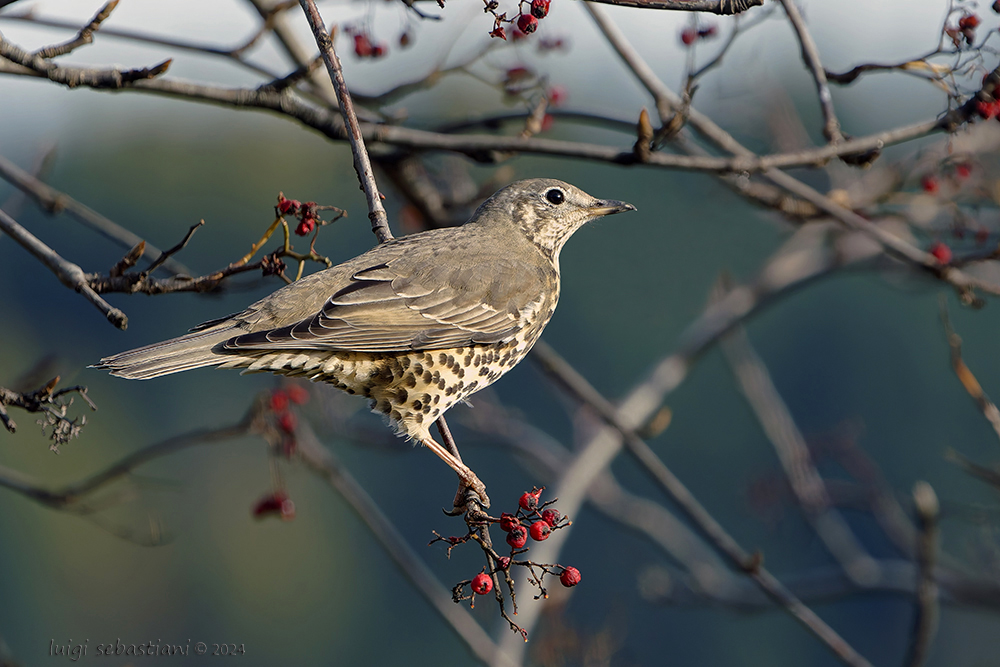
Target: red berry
287,423
279,400
306,226
286,206
275,503
929,184
482,584
551,517
503,562
941,252
570,577
996,6
517,537
296,394
527,23
987,109
540,8
688,36
540,531
970,22
557,95
362,46
963,170
529,499
508,522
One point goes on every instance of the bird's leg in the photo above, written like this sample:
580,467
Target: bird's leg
467,478
449,439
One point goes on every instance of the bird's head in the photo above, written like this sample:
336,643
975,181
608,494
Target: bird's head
545,210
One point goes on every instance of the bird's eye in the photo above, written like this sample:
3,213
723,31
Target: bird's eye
555,196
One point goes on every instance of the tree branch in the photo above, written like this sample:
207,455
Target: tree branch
69,274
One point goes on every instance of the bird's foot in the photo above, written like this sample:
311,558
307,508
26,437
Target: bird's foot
470,491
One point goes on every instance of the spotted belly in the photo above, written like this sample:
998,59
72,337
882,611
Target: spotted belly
413,388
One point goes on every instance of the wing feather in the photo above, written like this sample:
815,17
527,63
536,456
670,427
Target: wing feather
405,304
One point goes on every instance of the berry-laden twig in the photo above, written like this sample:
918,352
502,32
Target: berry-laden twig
531,518
278,425
53,408
525,22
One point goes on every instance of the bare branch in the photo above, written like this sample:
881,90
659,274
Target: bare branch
71,77
723,7
409,562
85,36
55,201
810,54
376,212
69,274
926,621
789,443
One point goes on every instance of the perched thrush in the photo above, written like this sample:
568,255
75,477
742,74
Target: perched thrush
416,324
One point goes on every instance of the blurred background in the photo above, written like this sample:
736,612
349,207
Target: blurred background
859,357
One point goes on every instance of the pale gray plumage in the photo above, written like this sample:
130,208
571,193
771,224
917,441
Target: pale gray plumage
406,322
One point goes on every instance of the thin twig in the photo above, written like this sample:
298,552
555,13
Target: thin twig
69,274
793,452
85,36
751,565
54,201
409,562
965,375
362,165
723,7
810,55
926,621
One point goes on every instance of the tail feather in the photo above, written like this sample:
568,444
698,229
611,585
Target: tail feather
194,350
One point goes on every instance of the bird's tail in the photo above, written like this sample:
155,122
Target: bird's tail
195,350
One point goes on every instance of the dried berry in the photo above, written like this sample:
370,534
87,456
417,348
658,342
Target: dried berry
529,499
551,517
540,8
540,531
296,394
482,584
275,503
287,422
279,400
527,23
517,537
508,522
941,252
570,577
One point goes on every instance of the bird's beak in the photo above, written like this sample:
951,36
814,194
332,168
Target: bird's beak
609,206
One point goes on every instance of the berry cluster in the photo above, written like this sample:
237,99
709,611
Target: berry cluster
540,521
691,34
526,22
284,419
282,422
964,30
944,182
307,213
365,47
532,519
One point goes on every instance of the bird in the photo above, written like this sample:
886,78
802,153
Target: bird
417,324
